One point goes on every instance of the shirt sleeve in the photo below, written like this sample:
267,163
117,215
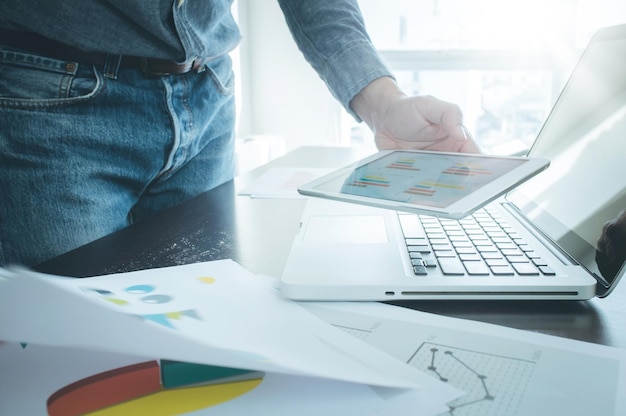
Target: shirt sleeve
332,36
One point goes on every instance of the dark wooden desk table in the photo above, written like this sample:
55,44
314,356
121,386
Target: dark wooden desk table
258,233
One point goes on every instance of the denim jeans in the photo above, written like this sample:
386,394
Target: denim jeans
83,154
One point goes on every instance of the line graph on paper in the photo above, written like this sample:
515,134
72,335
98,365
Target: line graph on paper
495,384
499,375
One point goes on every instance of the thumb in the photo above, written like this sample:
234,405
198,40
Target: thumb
445,114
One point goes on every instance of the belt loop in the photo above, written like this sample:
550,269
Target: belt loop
112,65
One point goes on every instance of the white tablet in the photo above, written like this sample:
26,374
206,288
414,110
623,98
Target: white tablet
450,185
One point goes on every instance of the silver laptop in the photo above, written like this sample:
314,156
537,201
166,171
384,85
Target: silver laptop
561,235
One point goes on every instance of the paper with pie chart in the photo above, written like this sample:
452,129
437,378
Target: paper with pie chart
212,313
72,381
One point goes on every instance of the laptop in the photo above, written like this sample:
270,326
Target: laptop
561,235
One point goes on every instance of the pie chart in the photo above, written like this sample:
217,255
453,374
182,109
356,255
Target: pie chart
157,388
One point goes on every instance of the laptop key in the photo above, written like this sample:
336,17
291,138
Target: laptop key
411,226
419,249
507,246
416,241
517,259
488,249
525,269
476,268
496,262
420,270
430,263
462,244
441,246
451,266
417,261
470,257
491,255
505,270
512,252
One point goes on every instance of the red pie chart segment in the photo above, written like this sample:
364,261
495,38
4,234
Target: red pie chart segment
138,389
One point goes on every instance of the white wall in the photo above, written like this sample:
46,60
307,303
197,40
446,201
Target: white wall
281,97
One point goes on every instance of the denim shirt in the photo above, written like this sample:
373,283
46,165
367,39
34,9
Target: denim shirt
330,33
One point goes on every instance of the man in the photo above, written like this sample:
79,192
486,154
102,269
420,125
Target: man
113,110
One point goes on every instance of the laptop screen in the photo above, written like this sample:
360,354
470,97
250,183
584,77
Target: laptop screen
580,200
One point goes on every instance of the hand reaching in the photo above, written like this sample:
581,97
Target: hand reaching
419,122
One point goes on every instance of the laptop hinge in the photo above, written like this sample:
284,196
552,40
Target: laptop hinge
552,246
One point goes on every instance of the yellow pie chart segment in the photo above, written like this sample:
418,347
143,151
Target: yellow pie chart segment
182,400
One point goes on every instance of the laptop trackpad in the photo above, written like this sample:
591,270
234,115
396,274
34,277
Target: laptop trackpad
353,229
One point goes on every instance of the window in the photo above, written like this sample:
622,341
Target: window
504,62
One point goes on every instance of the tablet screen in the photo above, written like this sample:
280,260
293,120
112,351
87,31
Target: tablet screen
422,178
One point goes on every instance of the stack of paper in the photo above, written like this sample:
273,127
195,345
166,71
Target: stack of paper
210,329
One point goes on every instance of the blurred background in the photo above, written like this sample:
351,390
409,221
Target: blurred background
502,61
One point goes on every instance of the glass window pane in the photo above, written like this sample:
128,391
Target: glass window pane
502,61
476,24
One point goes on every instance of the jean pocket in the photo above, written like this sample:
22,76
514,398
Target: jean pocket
28,80
221,72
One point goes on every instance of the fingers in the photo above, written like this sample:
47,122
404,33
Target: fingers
424,122
470,145
447,115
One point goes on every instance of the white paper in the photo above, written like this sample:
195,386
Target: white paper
32,374
282,182
207,313
504,371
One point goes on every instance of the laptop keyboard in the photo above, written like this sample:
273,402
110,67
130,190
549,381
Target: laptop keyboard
482,244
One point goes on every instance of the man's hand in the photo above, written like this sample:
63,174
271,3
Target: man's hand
611,246
402,122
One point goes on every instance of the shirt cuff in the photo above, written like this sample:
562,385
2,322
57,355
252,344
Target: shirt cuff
351,69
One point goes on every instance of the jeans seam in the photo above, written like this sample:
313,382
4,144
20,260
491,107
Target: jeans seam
176,130
222,88
24,103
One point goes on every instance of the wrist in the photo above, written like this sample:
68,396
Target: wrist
371,103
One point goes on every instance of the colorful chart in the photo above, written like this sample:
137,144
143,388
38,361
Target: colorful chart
148,294
158,387
364,181
467,170
423,179
421,190
152,388
404,164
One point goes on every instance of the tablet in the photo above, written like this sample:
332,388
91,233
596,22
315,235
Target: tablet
449,185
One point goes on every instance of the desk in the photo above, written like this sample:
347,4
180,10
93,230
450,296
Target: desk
258,233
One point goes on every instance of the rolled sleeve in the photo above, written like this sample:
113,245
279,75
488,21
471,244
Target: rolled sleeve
332,36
